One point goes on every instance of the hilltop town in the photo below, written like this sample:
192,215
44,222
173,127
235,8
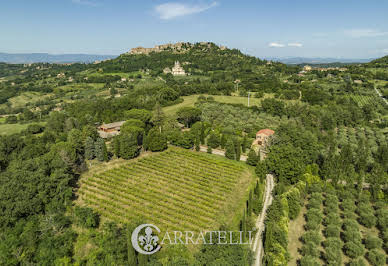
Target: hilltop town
179,47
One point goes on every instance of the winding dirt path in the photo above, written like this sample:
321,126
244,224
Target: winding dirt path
381,96
257,245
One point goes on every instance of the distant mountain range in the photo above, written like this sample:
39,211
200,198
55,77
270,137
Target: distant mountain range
52,58
317,60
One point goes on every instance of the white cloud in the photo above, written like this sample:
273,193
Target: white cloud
85,3
294,44
361,33
385,51
275,45
173,10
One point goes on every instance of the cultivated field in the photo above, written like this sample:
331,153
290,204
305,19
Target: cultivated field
176,189
339,228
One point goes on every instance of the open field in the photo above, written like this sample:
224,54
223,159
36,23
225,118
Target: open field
8,129
190,100
176,189
26,97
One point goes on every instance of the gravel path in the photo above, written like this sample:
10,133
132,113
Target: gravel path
257,245
379,93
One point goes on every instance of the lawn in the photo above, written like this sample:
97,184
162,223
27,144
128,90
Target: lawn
8,129
190,100
176,189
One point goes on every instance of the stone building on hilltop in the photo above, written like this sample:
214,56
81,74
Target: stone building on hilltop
177,70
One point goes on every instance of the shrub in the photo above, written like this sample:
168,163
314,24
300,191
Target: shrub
372,242
314,203
333,242
86,217
317,196
332,219
382,218
309,261
385,238
350,224
352,234
293,198
376,258
332,256
348,205
214,140
367,219
332,230
35,129
311,236
349,215
155,140
128,146
354,249
310,249
359,262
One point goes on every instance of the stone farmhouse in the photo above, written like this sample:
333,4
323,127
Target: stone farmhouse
263,136
110,130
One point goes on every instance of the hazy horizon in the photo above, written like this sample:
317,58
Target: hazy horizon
262,29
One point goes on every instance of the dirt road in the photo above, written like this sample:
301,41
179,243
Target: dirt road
257,245
381,96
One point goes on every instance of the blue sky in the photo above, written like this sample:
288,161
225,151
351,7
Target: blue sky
277,28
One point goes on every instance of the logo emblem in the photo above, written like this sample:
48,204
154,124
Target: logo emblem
145,244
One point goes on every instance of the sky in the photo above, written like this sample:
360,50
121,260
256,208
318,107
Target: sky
271,28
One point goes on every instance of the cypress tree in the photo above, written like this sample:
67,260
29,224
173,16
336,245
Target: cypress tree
213,141
197,147
261,170
128,146
116,146
237,146
202,134
244,144
131,254
209,149
223,141
250,203
100,150
230,152
89,148
252,158
244,226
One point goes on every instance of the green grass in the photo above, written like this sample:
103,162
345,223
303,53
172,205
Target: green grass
27,97
8,129
190,100
176,189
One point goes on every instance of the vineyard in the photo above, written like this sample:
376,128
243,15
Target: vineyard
363,100
343,229
176,190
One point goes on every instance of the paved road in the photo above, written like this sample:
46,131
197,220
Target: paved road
257,245
379,93
221,152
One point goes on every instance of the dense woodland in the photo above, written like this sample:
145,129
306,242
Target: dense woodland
331,139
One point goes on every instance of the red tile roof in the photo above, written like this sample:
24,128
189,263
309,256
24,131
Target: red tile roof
266,131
